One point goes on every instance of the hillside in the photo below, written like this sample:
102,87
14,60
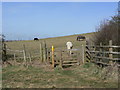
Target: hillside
56,41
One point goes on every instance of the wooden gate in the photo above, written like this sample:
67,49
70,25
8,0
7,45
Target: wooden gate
64,59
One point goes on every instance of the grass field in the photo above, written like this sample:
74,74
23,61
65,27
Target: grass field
84,76
33,47
58,42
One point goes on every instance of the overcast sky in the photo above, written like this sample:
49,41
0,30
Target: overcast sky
26,20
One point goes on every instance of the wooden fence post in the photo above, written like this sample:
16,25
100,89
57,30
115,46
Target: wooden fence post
14,59
83,54
100,51
110,50
53,63
4,52
48,55
24,54
61,60
30,59
44,51
41,52
78,58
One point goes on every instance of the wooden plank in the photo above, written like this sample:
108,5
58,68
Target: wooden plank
69,61
116,59
68,64
101,63
104,46
106,52
65,59
107,58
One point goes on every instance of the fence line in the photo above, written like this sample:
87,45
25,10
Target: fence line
15,50
101,53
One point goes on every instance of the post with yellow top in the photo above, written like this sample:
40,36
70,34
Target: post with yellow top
53,63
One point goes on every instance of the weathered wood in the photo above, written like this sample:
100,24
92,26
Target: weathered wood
4,52
45,50
48,55
70,61
30,59
110,50
24,54
41,52
61,60
104,52
101,50
83,61
104,46
14,59
68,64
78,58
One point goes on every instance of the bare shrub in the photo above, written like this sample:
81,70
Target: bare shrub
108,30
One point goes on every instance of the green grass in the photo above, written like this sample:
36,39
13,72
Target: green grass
74,77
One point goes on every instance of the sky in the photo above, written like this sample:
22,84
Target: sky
26,20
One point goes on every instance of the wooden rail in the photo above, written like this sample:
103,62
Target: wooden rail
103,52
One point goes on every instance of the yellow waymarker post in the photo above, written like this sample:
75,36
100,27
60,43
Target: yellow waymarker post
53,57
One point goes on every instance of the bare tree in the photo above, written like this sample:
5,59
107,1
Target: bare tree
108,30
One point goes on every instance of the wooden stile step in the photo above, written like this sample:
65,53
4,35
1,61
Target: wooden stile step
69,61
67,64
65,59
